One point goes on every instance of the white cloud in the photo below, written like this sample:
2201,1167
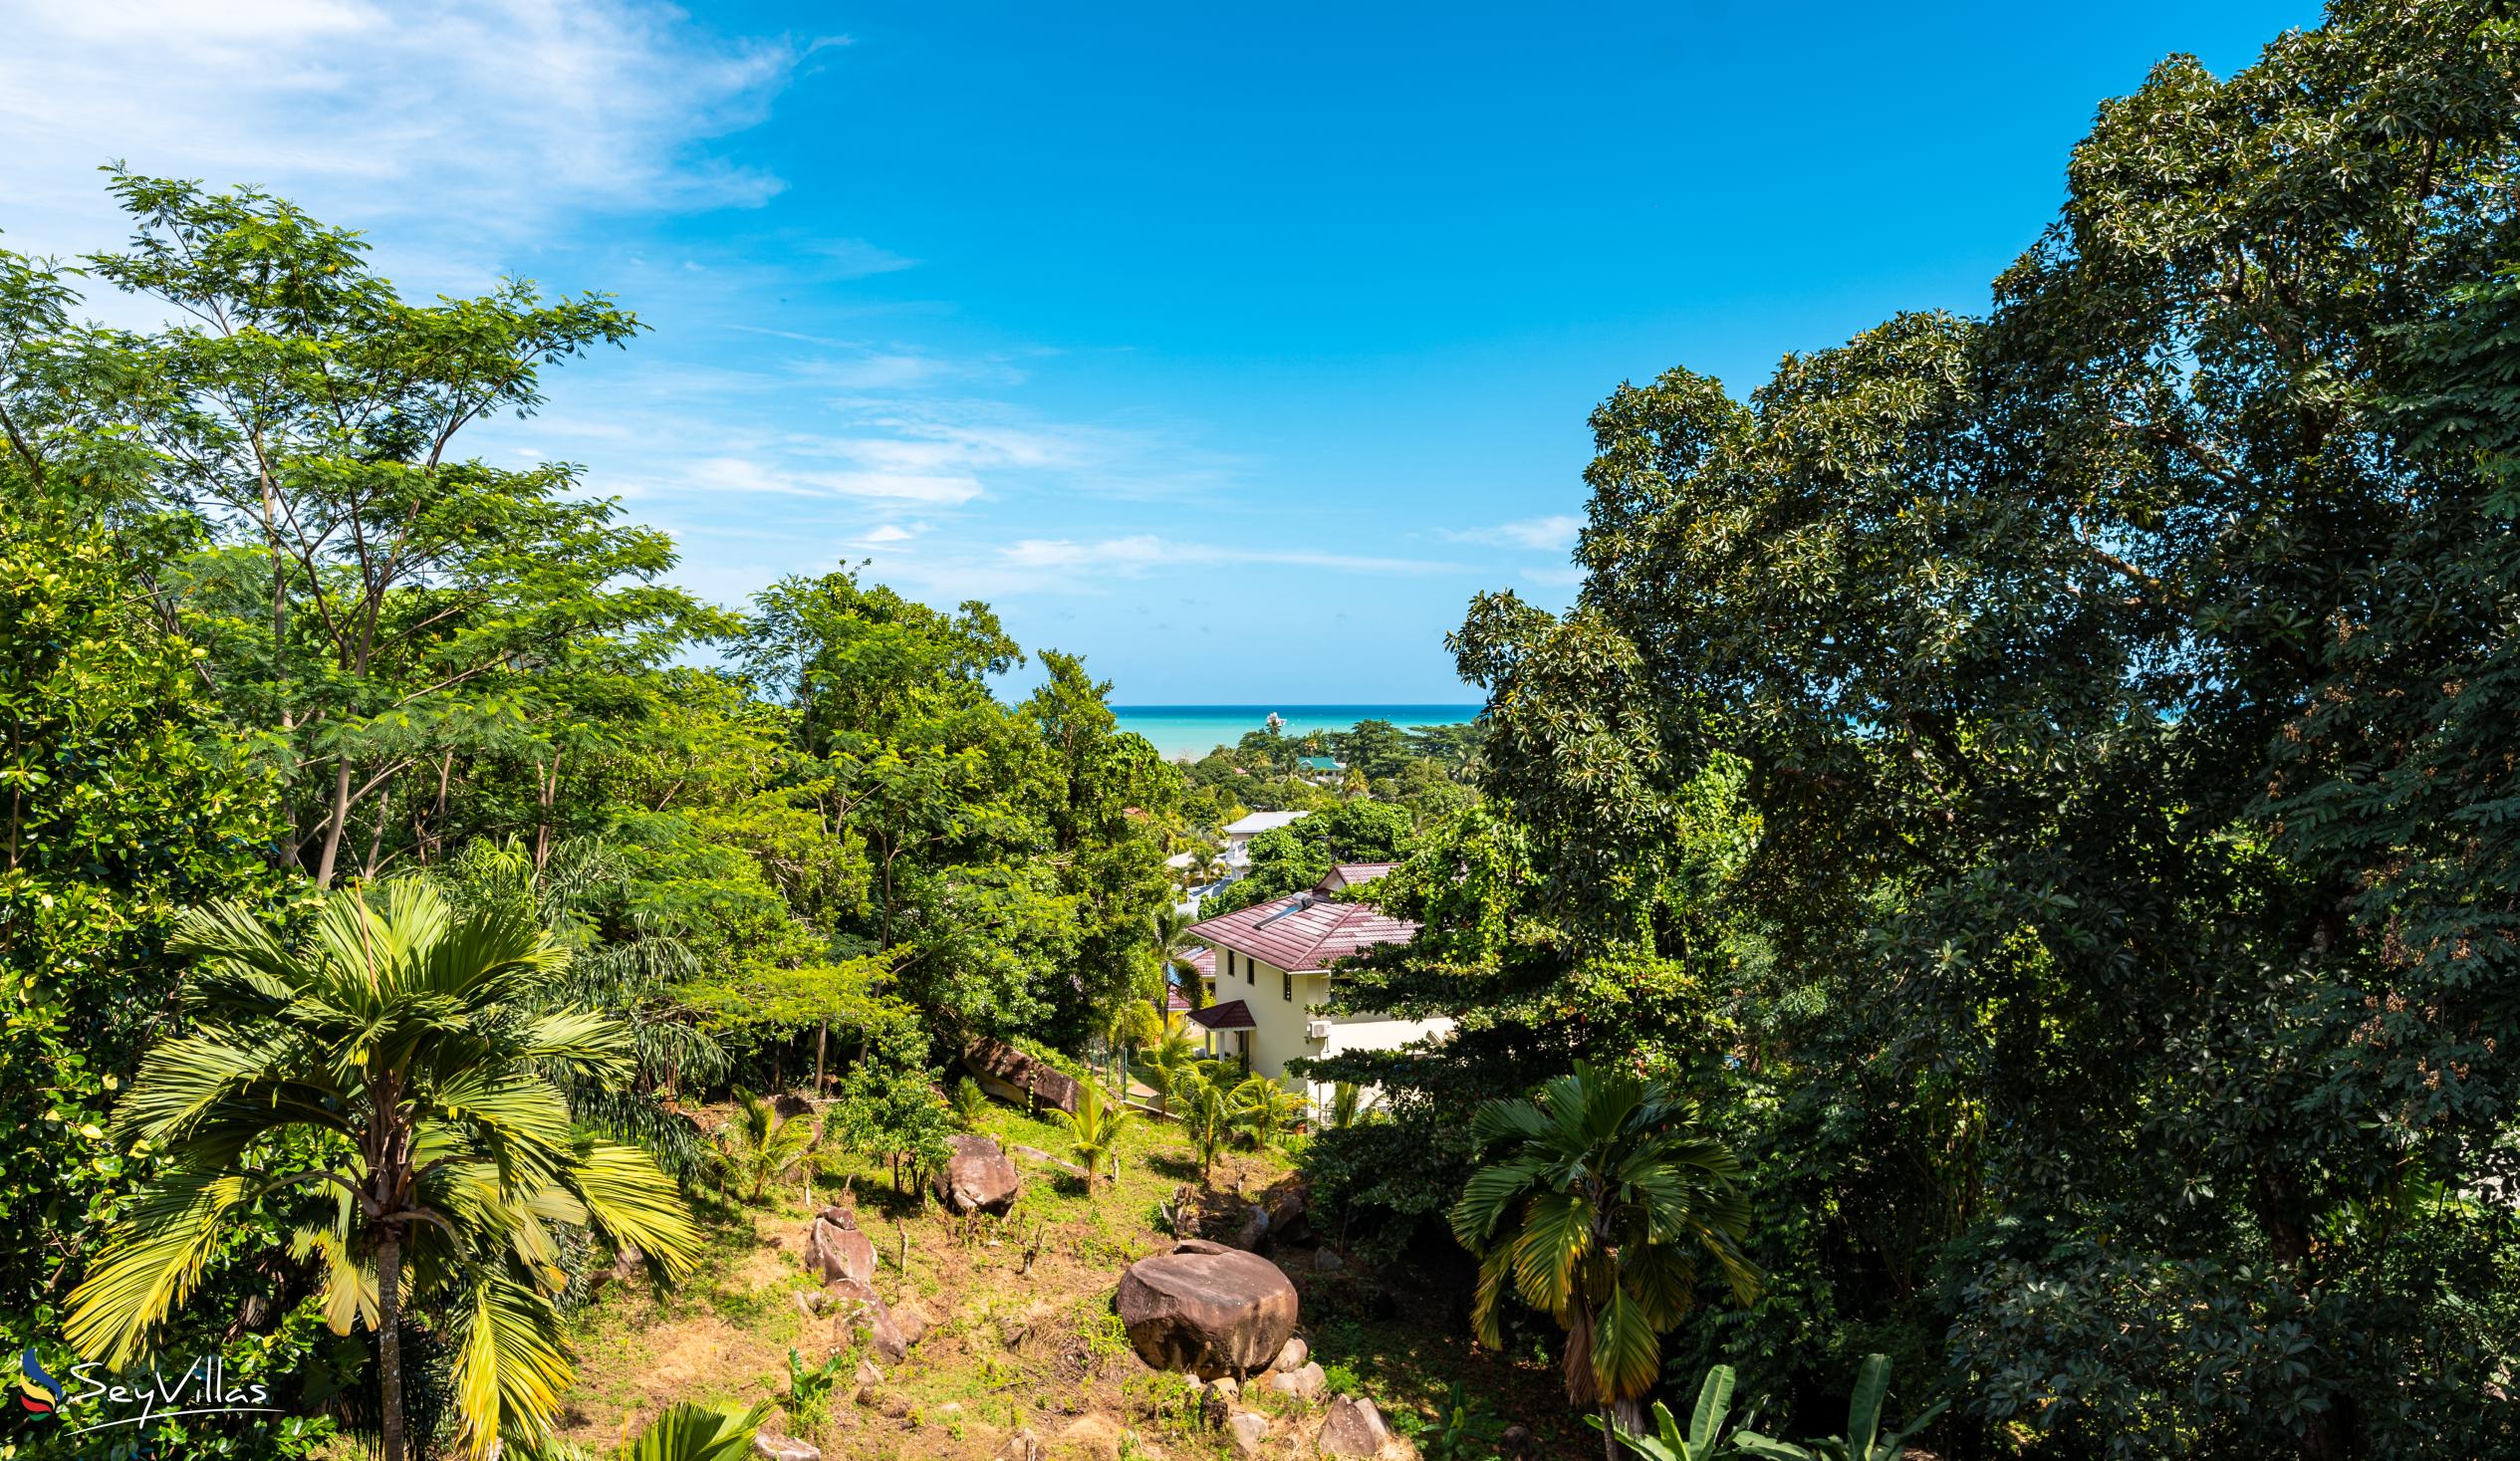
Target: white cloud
744,475
1552,533
854,258
477,119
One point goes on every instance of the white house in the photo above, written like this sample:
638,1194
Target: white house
1271,980
1240,832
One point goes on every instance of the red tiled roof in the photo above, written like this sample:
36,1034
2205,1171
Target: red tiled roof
1231,1015
1303,932
1348,874
1203,960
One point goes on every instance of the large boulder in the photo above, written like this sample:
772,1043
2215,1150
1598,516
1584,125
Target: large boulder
977,1177
834,1251
863,1312
1011,1076
1206,1309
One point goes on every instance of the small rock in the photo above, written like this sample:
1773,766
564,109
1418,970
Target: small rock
1021,1446
1327,1260
865,1314
1292,1355
868,1374
810,1305
914,1321
1305,1383
1249,1430
1095,1434
769,1445
1353,1428
1254,1230
1517,1440
1227,1386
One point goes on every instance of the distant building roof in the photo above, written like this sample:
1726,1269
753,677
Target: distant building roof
1317,763
1203,960
1180,860
1260,821
1304,931
1348,874
1231,1015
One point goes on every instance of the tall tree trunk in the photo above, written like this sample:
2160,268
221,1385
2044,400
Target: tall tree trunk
821,1042
333,829
390,1339
1623,1418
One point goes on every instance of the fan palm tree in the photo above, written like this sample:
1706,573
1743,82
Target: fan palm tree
404,1062
1264,1108
1170,1064
1093,1129
1598,1197
758,1147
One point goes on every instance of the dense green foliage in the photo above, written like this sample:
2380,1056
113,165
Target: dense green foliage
272,632
2047,778
2013,842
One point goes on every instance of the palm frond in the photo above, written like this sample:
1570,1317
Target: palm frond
510,1365
637,1205
151,1260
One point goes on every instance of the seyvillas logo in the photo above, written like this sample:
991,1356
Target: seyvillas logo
99,1404
37,1390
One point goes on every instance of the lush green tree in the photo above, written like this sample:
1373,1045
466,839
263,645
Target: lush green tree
1110,793
374,603
390,1076
889,1111
1376,748
1600,1196
2111,684
121,804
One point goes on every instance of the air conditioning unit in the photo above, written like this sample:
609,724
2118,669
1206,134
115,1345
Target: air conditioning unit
1317,1029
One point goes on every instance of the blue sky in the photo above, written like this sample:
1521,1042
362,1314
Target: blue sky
1233,348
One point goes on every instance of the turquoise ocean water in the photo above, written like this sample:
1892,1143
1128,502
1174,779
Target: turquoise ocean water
1195,730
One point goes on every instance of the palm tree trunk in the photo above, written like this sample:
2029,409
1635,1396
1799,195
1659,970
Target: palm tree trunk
1626,1417
390,1339
1610,1433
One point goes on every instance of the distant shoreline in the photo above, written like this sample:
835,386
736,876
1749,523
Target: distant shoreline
1177,731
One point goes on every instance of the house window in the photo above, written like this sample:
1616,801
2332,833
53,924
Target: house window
1289,996
1250,969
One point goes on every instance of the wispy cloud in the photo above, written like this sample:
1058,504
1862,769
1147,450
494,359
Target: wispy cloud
854,258
1552,533
742,476
489,117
